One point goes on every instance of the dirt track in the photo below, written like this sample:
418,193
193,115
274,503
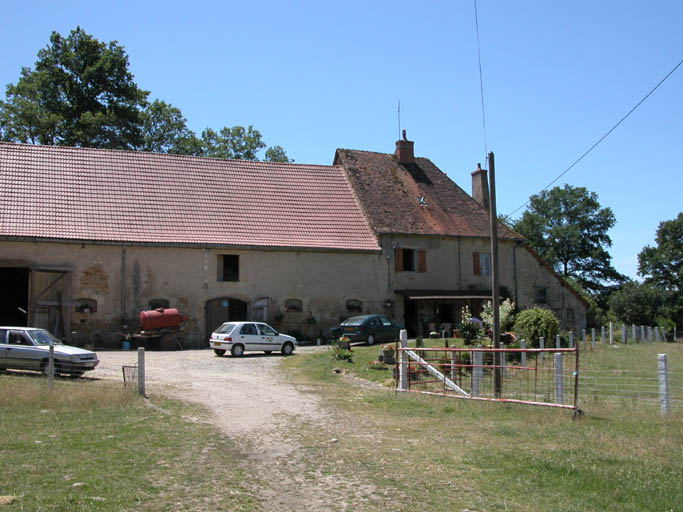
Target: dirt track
252,403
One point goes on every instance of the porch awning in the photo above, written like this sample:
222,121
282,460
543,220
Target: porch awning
444,294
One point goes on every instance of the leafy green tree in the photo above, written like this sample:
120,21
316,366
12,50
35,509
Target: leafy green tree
532,324
164,130
662,267
568,228
635,303
81,93
235,143
277,154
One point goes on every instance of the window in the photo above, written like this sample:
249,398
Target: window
228,267
410,260
248,329
570,316
481,263
385,321
541,294
267,330
294,306
158,304
354,306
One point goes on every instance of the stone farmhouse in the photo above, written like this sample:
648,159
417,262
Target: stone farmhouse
91,237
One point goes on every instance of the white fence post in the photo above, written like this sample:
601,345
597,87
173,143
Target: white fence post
559,392
623,334
558,343
611,334
633,333
593,338
141,371
584,333
571,338
541,344
477,371
642,334
51,366
602,334
663,385
403,361
523,343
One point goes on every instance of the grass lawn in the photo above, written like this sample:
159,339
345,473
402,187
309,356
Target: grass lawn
432,453
97,446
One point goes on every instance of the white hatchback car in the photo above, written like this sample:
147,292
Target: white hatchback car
239,337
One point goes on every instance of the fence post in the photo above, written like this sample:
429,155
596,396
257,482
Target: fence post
141,371
403,362
559,394
541,344
558,342
602,334
663,385
584,333
633,333
477,371
571,338
642,334
502,363
51,367
649,333
623,334
523,343
611,334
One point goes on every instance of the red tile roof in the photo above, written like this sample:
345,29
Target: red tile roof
84,194
390,192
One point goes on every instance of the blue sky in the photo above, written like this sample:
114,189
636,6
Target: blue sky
315,76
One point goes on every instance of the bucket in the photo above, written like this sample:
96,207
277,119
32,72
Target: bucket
126,345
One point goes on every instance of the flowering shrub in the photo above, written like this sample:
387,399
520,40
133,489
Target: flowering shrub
377,365
506,312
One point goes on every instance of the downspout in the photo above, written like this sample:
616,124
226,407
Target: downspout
514,269
123,288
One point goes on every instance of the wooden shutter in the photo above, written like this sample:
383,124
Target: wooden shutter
475,264
422,260
398,259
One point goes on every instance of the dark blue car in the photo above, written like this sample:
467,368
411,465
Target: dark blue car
370,328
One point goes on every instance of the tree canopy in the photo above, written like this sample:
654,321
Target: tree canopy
82,93
662,265
568,228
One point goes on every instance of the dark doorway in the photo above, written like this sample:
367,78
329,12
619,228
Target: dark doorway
224,309
410,317
14,296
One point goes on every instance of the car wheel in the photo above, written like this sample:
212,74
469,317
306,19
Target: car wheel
268,351
371,339
237,350
287,349
219,352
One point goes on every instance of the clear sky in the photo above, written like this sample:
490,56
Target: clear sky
313,76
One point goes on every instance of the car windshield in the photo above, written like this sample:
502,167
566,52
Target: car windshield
226,328
42,337
355,320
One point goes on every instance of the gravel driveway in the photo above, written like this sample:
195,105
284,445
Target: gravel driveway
251,402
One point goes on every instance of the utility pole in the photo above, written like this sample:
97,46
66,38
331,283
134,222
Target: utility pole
495,299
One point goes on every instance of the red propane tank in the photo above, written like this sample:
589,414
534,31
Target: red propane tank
160,319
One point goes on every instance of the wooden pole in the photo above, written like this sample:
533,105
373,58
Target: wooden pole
495,299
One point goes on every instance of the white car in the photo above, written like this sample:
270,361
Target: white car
28,348
240,337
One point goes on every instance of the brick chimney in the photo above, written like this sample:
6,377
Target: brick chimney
404,150
480,186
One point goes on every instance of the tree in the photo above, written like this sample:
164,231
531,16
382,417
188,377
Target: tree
535,323
662,266
164,130
568,228
277,154
635,303
234,143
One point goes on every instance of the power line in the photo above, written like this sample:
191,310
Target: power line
481,82
606,134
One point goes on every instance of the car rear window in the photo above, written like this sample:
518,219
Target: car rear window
226,328
355,320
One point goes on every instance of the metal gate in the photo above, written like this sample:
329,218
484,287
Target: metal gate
49,299
547,377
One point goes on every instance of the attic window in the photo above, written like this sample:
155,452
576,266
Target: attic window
228,267
354,306
294,306
158,304
86,306
541,295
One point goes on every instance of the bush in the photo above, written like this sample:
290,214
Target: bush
470,331
531,324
